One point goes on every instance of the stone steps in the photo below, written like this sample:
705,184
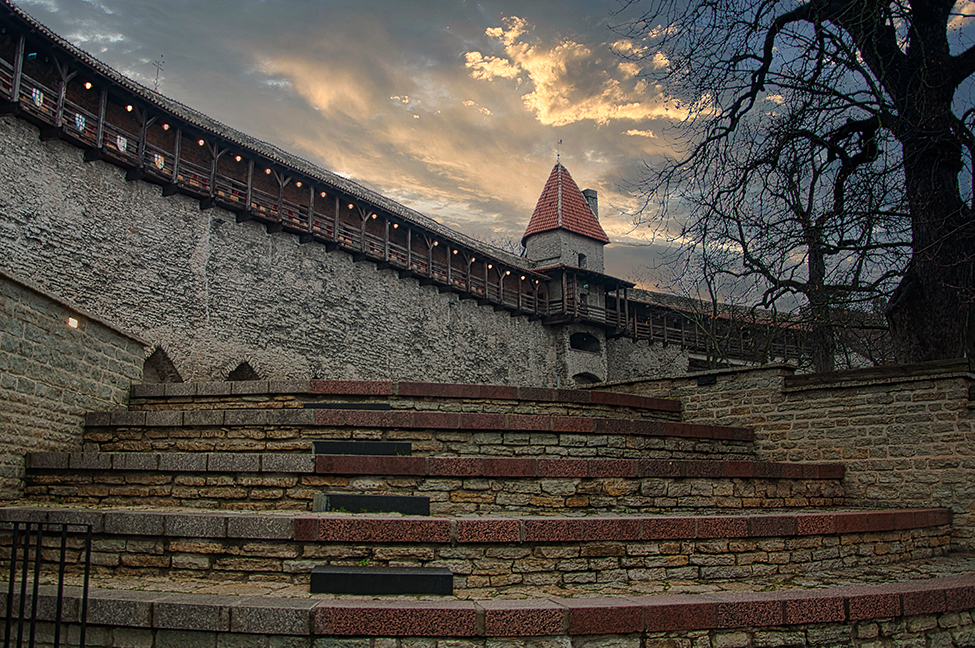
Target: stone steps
556,513
454,485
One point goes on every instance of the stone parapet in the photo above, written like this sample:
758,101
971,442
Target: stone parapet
56,363
904,433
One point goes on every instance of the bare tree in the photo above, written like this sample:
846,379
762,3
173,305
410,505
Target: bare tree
811,127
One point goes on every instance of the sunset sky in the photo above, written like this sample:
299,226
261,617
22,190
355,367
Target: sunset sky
454,108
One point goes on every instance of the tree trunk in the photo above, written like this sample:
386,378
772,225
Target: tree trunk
931,312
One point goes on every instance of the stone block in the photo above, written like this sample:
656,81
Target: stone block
813,607
147,390
182,462
371,448
145,461
203,417
197,613
135,523
47,460
195,525
125,418
131,609
248,387
747,610
497,530
180,390
98,419
260,527
233,462
214,388
722,527
90,461
287,463
522,618
604,616
396,618
384,529
261,615
351,387
678,613
164,418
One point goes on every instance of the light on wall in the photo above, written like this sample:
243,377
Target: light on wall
87,85
201,142
72,323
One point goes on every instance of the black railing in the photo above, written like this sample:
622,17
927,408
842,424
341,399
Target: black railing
34,545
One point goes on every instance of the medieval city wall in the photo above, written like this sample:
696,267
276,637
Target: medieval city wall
52,373
214,293
905,433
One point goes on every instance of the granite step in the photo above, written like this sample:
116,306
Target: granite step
496,556
454,485
893,611
262,394
428,432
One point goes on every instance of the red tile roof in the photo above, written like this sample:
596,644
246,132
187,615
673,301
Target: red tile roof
562,206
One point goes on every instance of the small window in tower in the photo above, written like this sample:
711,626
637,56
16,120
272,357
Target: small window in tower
582,260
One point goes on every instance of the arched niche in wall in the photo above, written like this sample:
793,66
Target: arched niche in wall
159,368
585,379
244,371
584,342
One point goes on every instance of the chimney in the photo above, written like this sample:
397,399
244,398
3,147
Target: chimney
593,201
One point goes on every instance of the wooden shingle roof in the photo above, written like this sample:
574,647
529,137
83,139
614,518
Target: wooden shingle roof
562,206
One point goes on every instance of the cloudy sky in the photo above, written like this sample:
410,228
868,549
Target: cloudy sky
452,107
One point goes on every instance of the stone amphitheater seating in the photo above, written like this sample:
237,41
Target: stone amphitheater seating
556,517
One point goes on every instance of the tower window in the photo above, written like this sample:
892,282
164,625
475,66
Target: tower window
582,261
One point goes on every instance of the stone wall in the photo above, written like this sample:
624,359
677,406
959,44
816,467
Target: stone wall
906,434
51,374
214,293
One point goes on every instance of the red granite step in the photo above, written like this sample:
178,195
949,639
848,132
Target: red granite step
490,557
905,612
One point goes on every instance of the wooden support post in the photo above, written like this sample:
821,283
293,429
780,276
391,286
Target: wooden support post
97,152
335,224
565,293
57,129
12,105
173,187
309,235
18,74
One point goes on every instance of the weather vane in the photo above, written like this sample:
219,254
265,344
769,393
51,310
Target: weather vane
159,68
558,152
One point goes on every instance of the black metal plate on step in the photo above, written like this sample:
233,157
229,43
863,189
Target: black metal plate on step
338,579
378,407
391,448
357,503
